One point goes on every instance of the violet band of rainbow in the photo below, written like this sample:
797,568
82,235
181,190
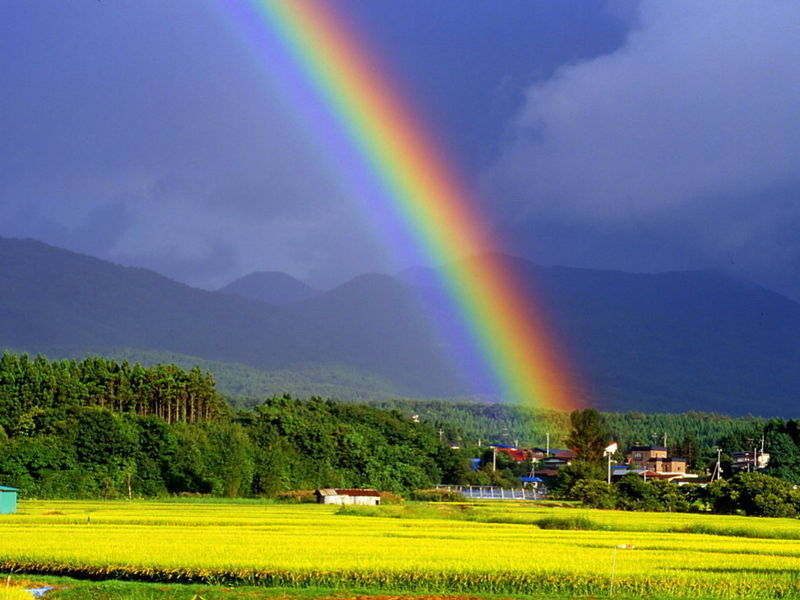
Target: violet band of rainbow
436,210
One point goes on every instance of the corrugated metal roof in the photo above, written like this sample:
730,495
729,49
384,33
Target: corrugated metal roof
358,492
4,488
344,492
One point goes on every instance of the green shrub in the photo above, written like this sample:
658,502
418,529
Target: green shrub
437,495
390,498
593,493
571,523
297,497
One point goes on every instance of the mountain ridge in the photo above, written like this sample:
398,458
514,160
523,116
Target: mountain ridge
270,287
675,341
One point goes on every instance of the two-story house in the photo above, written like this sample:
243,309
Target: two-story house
654,459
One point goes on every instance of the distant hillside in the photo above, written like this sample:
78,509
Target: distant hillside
669,342
681,341
56,298
376,321
270,287
57,302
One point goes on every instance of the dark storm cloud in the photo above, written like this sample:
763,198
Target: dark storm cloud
145,133
149,132
682,145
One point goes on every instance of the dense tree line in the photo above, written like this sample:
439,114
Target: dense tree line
464,423
97,428
100,428
283,444
28,387
754,494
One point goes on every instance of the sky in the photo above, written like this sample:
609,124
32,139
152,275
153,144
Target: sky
640,136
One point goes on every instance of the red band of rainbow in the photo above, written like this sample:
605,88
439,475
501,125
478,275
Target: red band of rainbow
436,209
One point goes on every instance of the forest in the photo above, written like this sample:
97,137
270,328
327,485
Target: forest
99,428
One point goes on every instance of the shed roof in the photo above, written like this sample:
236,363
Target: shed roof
346,492
4,488
358,492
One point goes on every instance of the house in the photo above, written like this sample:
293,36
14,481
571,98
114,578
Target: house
557,459
654,459
749,461
342,496
513,452
517,454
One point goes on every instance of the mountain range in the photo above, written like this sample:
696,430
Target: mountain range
668,342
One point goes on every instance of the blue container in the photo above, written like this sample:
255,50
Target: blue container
8,500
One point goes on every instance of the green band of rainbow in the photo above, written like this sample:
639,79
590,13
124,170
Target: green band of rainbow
435,207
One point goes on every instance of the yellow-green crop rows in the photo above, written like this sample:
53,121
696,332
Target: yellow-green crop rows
311,545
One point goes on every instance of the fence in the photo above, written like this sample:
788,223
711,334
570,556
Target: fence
491,492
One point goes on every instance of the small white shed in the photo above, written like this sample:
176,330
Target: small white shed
339,496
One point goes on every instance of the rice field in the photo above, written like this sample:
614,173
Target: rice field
311,545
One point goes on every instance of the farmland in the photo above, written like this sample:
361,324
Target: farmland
475,550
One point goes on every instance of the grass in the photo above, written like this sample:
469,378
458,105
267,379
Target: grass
600,520
66,588
477,550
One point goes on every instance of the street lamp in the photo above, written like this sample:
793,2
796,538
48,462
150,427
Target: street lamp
610,449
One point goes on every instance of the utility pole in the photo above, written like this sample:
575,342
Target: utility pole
547,448
494,459
717,474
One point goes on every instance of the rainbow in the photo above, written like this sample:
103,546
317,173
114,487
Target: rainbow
319,51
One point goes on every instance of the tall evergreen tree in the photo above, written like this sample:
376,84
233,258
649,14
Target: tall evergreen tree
588,437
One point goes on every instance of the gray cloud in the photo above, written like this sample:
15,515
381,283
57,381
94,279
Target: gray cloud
179,153
688,133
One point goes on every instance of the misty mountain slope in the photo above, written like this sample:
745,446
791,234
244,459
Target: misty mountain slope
56,300
271,287
375,321
53,297
682,340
